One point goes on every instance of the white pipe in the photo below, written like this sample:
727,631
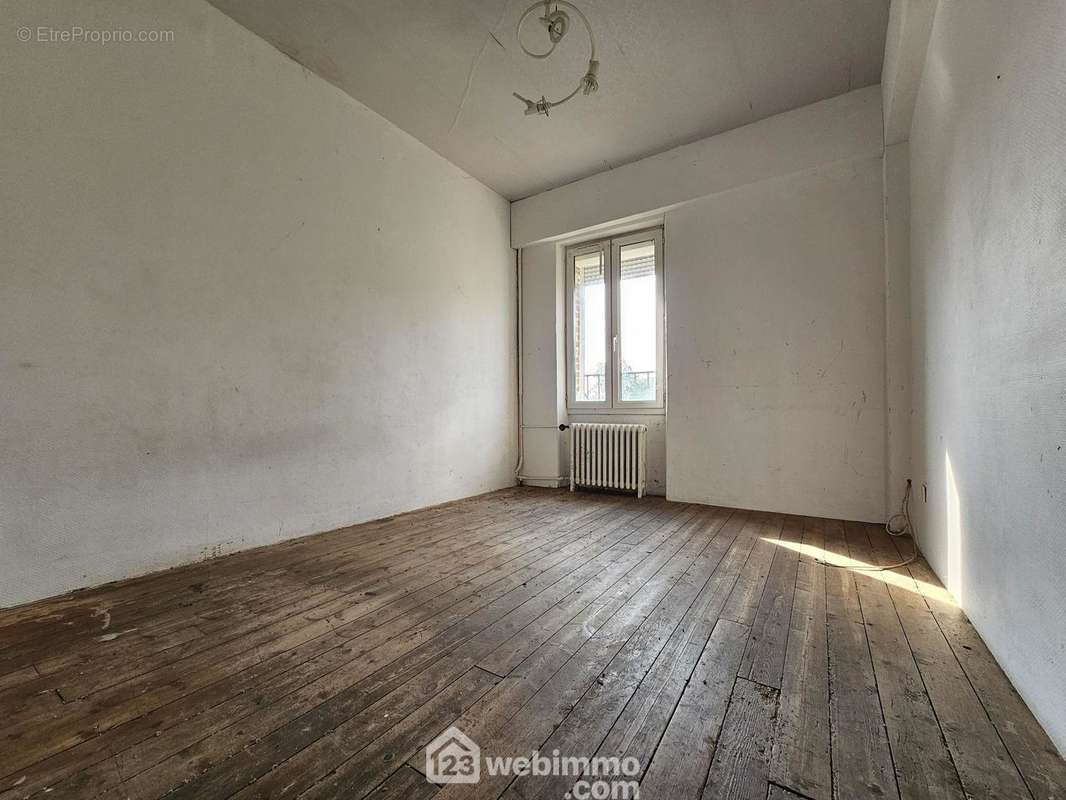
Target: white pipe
518,291
521,439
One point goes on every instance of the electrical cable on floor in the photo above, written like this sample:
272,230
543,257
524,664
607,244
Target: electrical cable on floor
904,516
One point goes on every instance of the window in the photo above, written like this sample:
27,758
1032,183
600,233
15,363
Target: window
615,327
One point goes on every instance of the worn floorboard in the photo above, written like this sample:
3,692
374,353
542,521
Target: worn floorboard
708,652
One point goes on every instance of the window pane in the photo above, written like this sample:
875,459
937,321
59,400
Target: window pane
590,328
637,327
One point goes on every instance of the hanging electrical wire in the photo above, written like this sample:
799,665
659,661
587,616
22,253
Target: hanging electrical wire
556,23
899,524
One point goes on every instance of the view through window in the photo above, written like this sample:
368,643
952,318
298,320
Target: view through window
590,326
637,335
615,331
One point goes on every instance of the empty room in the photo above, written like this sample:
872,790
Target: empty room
526,400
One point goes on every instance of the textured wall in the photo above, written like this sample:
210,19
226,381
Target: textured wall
237,305
776,336
988,238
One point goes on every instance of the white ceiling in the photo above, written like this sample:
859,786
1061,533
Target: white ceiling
671,72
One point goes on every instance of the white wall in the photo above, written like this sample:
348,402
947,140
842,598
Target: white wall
775,317
237,305
988,237
801,195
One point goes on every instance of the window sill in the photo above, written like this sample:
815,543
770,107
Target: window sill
612,412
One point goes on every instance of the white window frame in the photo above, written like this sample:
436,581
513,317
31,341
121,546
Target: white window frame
611,249
572,253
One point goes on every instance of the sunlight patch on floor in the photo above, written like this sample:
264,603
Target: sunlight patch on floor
861,567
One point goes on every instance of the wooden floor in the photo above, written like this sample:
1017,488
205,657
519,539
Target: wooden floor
713,646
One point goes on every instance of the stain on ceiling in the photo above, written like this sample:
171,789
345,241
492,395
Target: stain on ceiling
670,72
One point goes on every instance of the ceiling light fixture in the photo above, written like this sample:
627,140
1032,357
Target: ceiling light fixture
557,22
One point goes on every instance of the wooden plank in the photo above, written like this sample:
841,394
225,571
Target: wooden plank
743,603
405,784
801,753
741,764
764,659
18,677
862,760
924,768
683,757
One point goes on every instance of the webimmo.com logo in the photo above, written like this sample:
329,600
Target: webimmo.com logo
453,757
